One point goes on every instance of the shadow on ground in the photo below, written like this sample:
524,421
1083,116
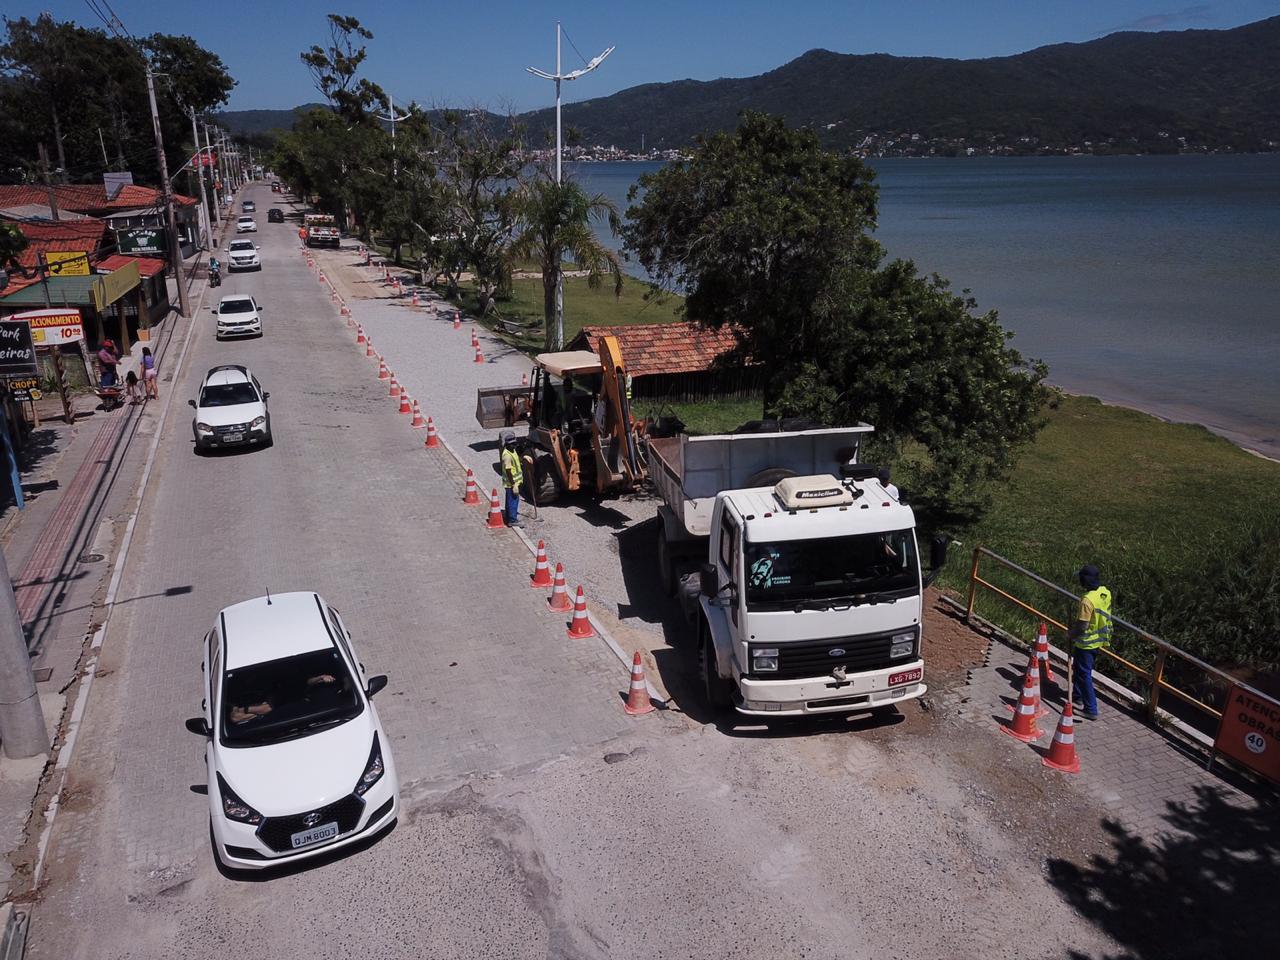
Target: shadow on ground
1205,888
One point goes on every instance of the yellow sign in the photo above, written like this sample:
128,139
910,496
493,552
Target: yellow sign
107,290
67,263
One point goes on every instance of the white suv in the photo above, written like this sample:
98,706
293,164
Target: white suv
243,255
232,410
298,761
238,316
246,225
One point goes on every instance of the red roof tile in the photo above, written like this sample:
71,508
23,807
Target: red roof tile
147,266
82,236
651,348
87,197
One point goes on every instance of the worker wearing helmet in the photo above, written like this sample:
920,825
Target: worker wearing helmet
512,477
1090,632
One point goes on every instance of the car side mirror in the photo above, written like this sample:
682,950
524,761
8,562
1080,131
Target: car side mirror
266,395
708,580
375,684
199,726
191,404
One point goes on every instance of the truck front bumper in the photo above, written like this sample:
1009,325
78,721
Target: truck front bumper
863,691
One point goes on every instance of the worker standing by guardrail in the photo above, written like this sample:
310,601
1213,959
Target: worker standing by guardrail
1091,630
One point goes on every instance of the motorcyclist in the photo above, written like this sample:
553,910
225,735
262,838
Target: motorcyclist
215,272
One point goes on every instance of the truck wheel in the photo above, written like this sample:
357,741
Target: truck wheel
714,687
767,478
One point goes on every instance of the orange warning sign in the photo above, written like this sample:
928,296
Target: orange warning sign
1250,732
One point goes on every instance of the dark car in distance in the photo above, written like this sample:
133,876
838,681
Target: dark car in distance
275,215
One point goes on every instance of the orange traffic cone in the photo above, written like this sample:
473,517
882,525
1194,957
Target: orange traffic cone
433,440
457,320
360,338
541,569
415,298
559,599
368,349
580,626
1033,668
479,355
638,702
473,492
405,405
395,387
1024,717
1062,751
495,512
1042,653
333,296
383,372
321,277
417,417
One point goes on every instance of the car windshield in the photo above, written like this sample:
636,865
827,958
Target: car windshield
287,698
227,394
236,306
786,572
246,219
242,245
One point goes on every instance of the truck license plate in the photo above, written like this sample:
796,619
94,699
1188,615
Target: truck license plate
326,831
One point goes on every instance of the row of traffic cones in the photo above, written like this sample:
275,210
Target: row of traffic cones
1029,709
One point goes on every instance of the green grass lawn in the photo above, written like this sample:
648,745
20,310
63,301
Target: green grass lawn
706,416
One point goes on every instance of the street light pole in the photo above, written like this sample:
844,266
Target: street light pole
558,334
175,254
198,158
22,729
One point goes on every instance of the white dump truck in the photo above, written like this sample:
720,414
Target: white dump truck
799,568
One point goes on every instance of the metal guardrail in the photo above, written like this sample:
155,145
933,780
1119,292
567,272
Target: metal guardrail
1154,678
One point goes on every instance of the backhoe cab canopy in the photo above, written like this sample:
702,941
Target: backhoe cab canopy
574,363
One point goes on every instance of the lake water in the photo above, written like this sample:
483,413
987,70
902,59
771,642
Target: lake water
1152,282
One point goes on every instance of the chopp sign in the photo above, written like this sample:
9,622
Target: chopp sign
17,352
51,327
1250,732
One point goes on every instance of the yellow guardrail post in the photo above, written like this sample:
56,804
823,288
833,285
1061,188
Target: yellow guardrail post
973,584
1157,678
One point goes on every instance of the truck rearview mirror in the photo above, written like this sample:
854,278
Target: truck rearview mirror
708,580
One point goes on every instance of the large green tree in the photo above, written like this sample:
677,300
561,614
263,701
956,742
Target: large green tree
555,224
769,234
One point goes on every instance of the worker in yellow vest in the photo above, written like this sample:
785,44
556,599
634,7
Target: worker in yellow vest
1090,632
512,477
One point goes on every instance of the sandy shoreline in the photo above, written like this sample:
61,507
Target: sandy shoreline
1248,440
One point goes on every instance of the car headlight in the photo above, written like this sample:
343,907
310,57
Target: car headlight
203,428
233,808
902,645
256,422
373,769
764,659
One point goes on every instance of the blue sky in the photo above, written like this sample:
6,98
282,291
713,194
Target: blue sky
475,53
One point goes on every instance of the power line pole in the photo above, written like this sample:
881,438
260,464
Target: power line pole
48,186
22,729
213,175
175,254
198,158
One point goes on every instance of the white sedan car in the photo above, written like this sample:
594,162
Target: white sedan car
246,225
238,316
243,255
298,761
232,410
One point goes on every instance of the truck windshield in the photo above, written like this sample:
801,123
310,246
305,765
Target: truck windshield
782,574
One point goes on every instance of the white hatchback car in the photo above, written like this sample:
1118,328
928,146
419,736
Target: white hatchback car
243,255
238,316
246,225
232,410
298,761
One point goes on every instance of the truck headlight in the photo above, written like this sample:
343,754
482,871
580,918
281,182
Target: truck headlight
764,660
902,645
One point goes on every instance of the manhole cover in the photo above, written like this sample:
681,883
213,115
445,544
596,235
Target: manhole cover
91,558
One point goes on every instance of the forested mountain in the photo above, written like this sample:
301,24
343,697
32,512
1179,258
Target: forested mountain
1125,91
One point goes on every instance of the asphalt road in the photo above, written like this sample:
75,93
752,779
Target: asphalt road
538,820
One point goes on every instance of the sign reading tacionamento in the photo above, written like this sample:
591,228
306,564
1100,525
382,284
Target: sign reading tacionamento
53,326
1250,732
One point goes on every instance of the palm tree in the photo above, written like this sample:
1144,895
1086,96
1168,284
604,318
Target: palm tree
555,223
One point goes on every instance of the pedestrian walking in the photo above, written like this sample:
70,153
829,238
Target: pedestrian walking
512,477
108,357
150,385
131,386
1090,632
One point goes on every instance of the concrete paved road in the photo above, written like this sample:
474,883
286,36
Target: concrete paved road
538,820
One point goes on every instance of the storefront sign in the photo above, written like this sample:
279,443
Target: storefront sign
54,326
1250,732
67,263
17,352
142,240
24,388
107,290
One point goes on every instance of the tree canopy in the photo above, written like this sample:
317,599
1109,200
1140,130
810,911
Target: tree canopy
767,232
